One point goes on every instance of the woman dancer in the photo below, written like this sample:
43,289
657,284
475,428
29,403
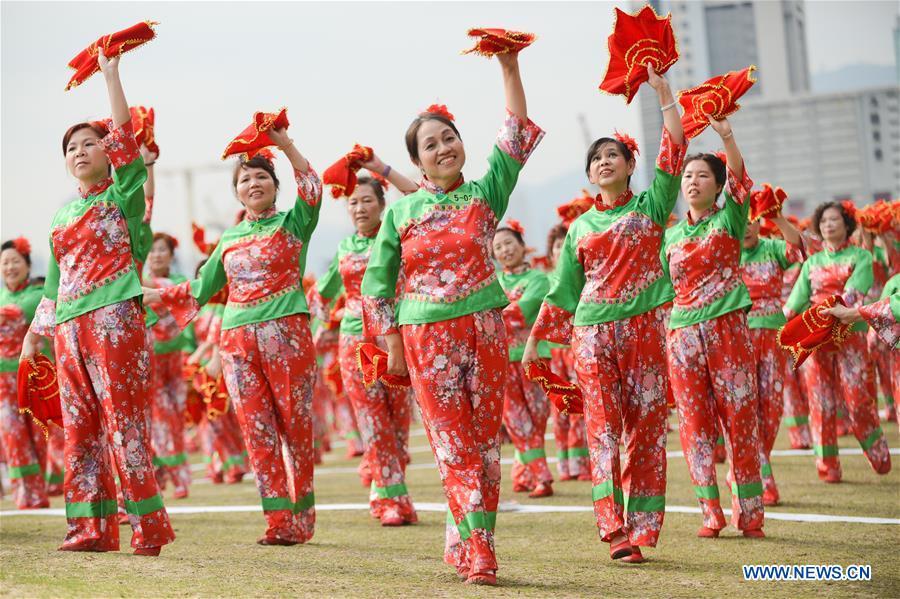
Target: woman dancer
446,325
91,307
607,300
265,343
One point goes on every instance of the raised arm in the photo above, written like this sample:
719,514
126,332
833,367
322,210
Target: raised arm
117,103
398,180
286,145
732,153
668,105
512,85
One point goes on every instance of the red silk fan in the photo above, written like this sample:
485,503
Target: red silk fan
38,391
114,44
716,98
372,361
342,174
254,137
766,202
813,330
564,395
491,41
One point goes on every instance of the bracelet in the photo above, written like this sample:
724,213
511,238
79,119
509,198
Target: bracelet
386,171
289,143
668,106
730,134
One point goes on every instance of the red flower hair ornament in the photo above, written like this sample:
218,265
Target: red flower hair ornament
22,246
439,109
514,225
627,141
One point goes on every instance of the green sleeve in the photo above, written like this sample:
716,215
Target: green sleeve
862,277
330,285
663,193
211,277
51,282
304,216
383,268
144,242
736,215
778,251
891,287
500,180
565,292
798,301
533,296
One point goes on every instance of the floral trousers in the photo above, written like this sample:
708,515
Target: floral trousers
382,416
167,420
843,376
713,378
621,368
458,372
525,413
25,448
569,431
796,406
103,367
770,368
270,370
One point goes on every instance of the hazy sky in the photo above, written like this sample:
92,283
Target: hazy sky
348,72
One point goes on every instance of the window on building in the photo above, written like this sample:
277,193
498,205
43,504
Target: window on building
874,118
874,102
876,135
878,154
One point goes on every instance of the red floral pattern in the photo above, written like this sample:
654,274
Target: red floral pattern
879,316
704,269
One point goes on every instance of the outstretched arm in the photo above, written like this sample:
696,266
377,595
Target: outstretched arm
671,118
512,85
117,103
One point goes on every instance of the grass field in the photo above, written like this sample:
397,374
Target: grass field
546,554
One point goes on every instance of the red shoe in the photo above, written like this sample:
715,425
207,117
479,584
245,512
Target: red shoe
391,517
636,556
585,476
217,478
483,578
267,540
567,476
521,488
233,478
708,533
770,497
832,477
542,490
755,533
180,494
89,546
620,548
148,551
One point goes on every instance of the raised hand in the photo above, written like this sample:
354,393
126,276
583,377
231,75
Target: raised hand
723,127
107,65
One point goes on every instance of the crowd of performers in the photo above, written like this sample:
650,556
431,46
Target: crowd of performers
646,313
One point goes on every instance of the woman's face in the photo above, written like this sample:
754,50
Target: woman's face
556,250
698,184
85,159
364,209
255,189
14,268
609,167
160,258
751,234
832,226
441,151
507,250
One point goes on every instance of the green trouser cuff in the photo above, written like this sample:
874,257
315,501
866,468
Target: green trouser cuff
562,454
604,490
92,509
869,441
825,451
352,435
706,492
720,440
748,490
233,461
170,460
796,420
650,503
23,471
526,457
317,444
888,400
389,491
766,470
579,452
273,504
144,506
54,478
475,520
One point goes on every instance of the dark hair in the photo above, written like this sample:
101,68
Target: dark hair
412,133
11,245
199,266
95,127
849,221
515,234
558,231
595,147
255,162
716,165
375,184
170,241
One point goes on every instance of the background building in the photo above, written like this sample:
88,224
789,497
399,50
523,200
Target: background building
816,146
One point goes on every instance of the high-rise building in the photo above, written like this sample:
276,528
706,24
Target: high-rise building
816,146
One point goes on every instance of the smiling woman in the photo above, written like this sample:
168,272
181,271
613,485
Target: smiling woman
447,326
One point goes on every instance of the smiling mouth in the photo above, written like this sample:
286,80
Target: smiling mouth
605,172
446,161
